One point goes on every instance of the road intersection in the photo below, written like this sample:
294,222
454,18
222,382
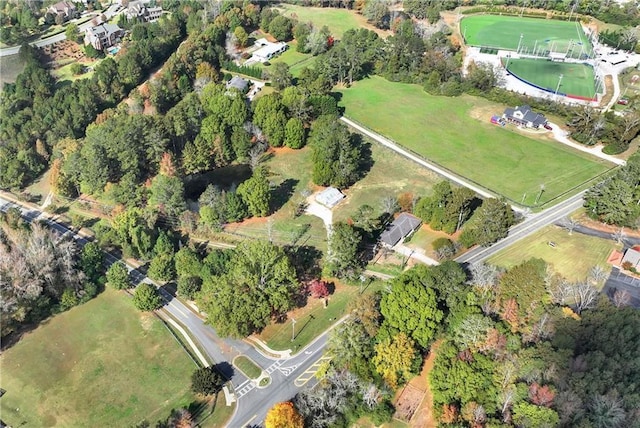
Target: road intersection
287,375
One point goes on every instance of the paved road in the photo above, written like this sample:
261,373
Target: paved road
526,228
253,402
109,13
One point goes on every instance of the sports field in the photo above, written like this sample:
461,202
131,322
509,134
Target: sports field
537,34
577,79
443,130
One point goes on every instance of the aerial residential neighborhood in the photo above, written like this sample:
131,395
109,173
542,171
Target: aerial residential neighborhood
369,213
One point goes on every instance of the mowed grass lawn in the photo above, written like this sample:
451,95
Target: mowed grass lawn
572,257
337,20
577,79
390,175
314,318
504,32
101,364
441,129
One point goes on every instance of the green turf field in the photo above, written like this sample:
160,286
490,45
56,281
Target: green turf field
537,34
577,79
443,130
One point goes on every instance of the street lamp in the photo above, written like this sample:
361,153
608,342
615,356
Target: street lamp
559,82
293,329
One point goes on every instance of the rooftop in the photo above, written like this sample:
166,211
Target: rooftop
401,227
329,197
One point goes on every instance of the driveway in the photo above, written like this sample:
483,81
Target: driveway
316,209
619,281
561,136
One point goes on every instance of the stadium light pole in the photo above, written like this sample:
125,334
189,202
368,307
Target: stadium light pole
519,43
559,82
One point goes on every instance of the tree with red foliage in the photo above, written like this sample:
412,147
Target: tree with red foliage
541,395
318,288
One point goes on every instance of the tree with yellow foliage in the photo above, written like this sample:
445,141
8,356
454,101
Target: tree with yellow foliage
394,359
284,415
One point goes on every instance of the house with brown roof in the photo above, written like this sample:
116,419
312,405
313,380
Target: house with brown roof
64,9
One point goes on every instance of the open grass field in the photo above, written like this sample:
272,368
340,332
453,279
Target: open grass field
100,364
337,20
504,32
314,318
577,79
442,129
572,257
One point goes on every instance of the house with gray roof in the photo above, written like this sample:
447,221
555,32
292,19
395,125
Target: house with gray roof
524,116
238,83
103,36
139,11
404,225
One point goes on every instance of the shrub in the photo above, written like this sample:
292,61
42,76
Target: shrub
441,243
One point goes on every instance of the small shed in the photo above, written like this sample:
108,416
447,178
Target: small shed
329,197
238,83
401,227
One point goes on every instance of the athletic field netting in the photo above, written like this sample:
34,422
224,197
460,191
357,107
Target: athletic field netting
539,36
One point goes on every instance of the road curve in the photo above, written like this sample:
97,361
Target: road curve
253,401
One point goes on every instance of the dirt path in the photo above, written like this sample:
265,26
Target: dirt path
423,417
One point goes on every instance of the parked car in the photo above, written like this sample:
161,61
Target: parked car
547,126
623,101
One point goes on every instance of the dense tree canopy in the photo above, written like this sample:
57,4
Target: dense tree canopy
337,154
260,283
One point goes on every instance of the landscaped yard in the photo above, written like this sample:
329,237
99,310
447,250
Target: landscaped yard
100,364
312,319
248,367
294,59
572,256
441,129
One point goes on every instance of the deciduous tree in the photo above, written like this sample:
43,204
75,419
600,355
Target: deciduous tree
206,381
394,359
118,277
146,297
284,415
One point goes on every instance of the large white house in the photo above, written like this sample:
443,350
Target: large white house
268,50
103,36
